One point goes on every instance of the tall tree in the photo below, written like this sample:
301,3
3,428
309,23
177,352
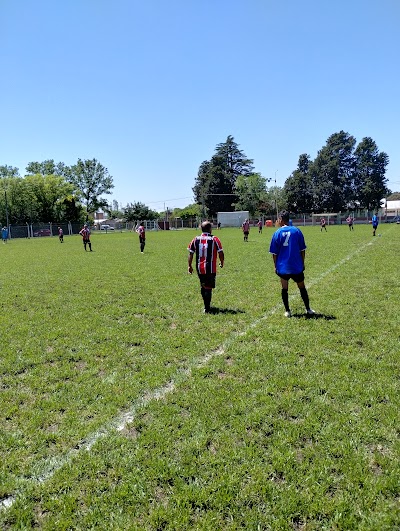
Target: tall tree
214,187
252,193
370,181
298,187
92,180
332,173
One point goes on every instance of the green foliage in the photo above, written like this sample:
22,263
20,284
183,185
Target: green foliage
214,188
92,180
124,407
394,196
342,176
252,193
139,211
298,187
48,167
370,182
191,211
331,173
39,197
8,171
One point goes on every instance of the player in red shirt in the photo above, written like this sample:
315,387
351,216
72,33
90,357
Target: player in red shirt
85,233
246,230
207,248
142,236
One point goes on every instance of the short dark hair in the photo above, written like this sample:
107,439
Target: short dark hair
284,215
206,226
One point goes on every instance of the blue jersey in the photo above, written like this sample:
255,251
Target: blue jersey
374,220
287,244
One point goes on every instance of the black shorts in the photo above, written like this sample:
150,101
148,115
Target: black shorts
298,277
207,281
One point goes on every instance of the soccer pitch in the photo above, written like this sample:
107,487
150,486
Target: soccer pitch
123,406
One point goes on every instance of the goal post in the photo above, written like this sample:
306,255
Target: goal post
330,217
232,219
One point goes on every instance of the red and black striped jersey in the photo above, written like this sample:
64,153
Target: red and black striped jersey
206,248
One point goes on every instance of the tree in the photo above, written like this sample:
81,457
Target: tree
49,194
48,167
370,182
394,196
298,187
190,211
332,173
139,211
252,193
214,187
8,171
91,179
18,200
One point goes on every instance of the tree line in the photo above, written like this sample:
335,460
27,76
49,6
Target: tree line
343,176
53,192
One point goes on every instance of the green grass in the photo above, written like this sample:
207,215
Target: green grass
124,407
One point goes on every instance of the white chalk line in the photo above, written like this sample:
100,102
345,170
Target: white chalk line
52,465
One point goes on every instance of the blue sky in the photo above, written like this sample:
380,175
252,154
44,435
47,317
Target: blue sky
150,87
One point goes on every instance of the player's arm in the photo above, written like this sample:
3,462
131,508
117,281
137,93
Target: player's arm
221,257
190,261
303,257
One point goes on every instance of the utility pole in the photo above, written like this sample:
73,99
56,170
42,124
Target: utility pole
5,200
276,199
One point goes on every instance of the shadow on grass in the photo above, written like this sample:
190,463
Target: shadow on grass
315,316
225,310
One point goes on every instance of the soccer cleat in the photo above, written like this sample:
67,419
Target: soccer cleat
310,312
288,314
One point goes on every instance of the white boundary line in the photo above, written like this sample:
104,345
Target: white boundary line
50,466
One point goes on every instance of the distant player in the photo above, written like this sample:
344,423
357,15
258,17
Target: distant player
323,224
246,230
350,221
142,236
4,234
259,225
375,223
85,233
60,235
207,249
288,251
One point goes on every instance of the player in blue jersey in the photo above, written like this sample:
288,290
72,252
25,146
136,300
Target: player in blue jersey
288,250
375,223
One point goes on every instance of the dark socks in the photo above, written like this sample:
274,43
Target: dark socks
285,299
206,294
304,296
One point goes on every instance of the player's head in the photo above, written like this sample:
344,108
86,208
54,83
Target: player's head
206,226
284,217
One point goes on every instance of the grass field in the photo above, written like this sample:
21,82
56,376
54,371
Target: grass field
123,406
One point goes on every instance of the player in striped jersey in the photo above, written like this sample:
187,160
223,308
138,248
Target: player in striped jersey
206,248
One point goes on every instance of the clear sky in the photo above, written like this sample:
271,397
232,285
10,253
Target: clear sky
150,87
